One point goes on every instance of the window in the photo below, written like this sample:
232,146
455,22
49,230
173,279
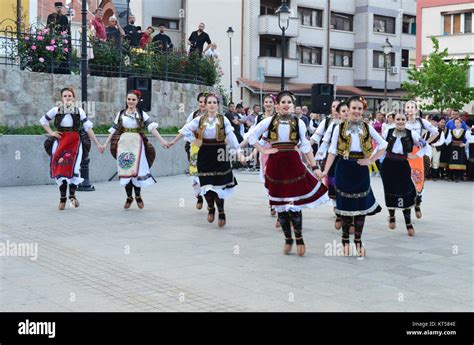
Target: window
310,17
468,22
378,59
271,46
405,58
409,25
447,25
341,21
342,58
269,7
310,55
172,24
384,24
457,23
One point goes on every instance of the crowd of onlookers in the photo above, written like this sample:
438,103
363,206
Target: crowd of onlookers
243,118
133,36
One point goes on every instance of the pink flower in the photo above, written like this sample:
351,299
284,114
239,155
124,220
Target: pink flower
40,38
63,33
53,41
27,38
48,48
33,47
46,30
65,41
66,50
41,59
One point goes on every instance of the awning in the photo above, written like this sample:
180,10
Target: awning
305,89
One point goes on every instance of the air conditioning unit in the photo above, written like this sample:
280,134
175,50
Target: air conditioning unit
394,70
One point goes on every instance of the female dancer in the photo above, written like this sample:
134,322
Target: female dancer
66,154
417,124
192,149
456,141
291,186
210,132
342,115
132,165
352,142
399,189
269,107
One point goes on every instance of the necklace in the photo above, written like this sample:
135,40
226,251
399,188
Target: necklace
400,133
354,126
211,122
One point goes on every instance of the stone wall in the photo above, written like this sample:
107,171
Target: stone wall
26,96
24,162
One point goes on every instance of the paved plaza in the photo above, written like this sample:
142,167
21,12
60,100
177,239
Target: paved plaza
166,257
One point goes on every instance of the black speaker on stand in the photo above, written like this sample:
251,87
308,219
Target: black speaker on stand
142,84
322,96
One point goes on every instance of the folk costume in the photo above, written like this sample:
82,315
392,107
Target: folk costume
457,155
290,184
417,165
399,188
437,146
66,153
133,152
192,149
354,197
216,179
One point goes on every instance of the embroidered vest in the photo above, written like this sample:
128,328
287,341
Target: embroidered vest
461,136
294,136
76,118
407,141
140,121
344,140
220,129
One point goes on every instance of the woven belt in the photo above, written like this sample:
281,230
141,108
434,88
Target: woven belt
395,156
286,146
353,155
212,142
131,130
456,143
67,129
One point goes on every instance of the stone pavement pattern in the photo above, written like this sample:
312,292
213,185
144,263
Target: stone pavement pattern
166,257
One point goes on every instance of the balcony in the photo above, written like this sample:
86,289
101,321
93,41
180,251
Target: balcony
268,25
272,66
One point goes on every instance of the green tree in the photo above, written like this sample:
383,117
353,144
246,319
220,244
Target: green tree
443,84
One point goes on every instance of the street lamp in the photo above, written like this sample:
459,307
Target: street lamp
230,33
86,184
283,22
387,48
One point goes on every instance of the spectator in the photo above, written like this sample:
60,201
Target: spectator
241,117
197,40
304,109
132,32
378,123
234,119
115,32
453,116
212,52
315,120
389,123
99,26
251,119
162,41
57,22
146,37
299,114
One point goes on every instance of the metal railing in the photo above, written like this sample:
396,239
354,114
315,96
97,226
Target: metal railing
56,52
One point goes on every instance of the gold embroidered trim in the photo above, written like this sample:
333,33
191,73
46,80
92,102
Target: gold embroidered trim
288,181
353,195
214,173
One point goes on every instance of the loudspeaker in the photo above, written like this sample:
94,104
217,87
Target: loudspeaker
144,86
322,96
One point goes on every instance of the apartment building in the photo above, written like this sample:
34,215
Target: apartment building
451,22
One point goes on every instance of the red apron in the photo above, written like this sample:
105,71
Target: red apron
64,159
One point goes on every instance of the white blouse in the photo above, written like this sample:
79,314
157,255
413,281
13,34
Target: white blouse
355,141
397,145
319,132
387,126
210,131
416,126
67,120
326,141
130,120
190,116
283,133
457,131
